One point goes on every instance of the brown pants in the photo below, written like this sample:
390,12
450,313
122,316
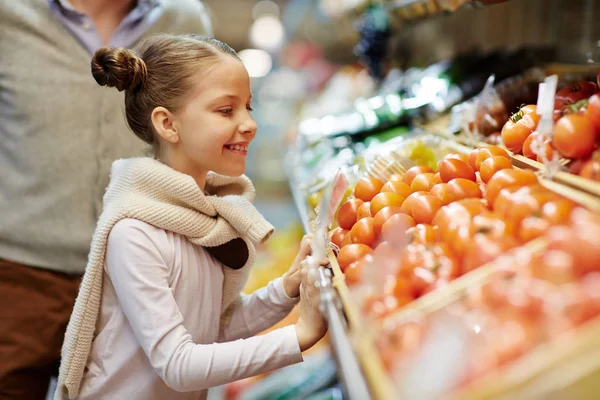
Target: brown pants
35,306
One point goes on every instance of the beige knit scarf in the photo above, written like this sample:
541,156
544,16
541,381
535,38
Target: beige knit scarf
146,189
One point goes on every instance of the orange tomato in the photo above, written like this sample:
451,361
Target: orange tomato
354,272
396,178
363,232
548,151
396,224
424,182
532,227
527,150
459,156
447,264
592,112
452,168
363,211
506,178
574,136
558,212
519,127
485,248
383,215
461,188
410,200
347,214
421,279
442,192
421,233
489,151
492,225
385,199
351,253
591,168
397,187
367,188
424,208
492,165
473,158
411,173
347,239
337,236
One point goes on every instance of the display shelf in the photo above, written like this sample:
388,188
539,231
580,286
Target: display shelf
348,366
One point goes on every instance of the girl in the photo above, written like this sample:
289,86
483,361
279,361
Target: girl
159,314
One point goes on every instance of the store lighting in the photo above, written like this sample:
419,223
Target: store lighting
265,7
257,62
267,33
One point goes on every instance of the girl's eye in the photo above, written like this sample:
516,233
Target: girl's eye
226,111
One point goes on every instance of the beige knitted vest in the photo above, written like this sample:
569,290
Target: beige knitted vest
147,190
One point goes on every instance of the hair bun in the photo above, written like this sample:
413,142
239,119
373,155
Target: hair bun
119,68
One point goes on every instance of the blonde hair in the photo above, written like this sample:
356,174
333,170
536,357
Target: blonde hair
159,72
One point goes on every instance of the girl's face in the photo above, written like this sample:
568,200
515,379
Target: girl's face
215,127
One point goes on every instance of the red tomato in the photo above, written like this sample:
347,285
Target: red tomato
574,136
363,232
574,93
411,173
452,168
421,233
489,151
347,214
385,199
461,188
383,215
351,253
492,165
363,211
396,224
397,187
424,208
367,188
592,112
337,236
506,178
424,182
442,192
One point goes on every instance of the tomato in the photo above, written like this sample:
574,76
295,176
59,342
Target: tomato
383,215
396,178
574,136
410,200
472,206
548,152
367,188
591,168
424,182
411,173
473,158
492,225
363,232
532,227
557,212
403,289
411,258
492,165
592,112
424,208
396,224
485,248
397,187
581,242
486,152
451,168
420,279
363,211
574,93
347,239
506,178
354,272
459,156
442,192
421,233
351,253
527,150
385,199
337,236
519,127
347,214
461,188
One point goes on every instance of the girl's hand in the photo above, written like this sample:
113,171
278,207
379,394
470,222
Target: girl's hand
292,278
311,325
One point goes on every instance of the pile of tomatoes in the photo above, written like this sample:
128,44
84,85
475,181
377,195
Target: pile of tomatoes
531,298
576,133
473,209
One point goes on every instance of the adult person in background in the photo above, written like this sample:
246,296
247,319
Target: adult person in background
59,134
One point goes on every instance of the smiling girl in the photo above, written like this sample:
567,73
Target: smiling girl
159,313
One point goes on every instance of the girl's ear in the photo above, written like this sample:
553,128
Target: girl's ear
162,120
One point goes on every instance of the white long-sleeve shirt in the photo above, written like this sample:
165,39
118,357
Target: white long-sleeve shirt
157,336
